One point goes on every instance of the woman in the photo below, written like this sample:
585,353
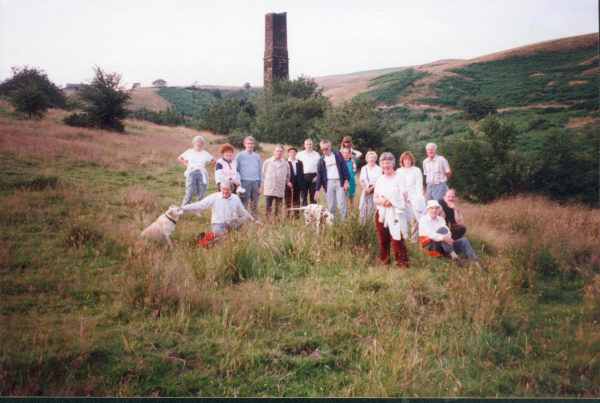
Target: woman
276,174
413,178
368,177
226,168
347,143
351,161
196,160
390,196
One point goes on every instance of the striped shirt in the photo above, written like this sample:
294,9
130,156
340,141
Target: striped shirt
436,170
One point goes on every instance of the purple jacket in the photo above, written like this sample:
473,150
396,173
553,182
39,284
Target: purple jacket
322,170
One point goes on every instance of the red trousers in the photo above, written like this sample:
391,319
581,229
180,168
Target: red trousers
385,238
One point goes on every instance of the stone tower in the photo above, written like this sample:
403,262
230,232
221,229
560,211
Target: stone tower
276,53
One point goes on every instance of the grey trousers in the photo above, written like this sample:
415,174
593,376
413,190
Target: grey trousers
335,192
435,191
194,185
461,245
251,195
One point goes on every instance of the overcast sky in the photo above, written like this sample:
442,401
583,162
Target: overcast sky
221,42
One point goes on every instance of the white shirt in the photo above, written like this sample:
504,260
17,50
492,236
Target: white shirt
428,227
414,181
370,176
309,161
196,160
332,170
223,210
294,164
435,170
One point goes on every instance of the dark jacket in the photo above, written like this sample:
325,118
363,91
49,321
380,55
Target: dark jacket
322,170
297,179
450,220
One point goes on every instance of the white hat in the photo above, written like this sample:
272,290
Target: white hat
432,203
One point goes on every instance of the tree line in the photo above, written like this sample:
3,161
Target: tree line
486,164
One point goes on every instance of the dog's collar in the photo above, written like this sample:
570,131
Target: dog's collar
170,219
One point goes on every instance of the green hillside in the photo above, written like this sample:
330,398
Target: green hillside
192,100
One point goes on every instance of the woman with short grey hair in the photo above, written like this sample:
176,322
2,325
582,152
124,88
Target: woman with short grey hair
196,177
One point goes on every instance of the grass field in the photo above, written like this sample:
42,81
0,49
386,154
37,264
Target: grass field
90,309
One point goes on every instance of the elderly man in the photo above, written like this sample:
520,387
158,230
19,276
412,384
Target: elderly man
437,171
436,238
310,160
250,168
333,175
452,214
227,210
276,173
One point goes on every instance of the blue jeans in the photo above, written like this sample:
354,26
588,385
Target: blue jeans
461,245
194,185
435,191
251,195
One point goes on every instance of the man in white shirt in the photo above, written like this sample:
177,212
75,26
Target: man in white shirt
437,171
226,209
310,159
436,238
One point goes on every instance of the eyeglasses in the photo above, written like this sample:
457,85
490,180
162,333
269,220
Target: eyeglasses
325,148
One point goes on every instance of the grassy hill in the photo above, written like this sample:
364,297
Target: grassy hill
89,308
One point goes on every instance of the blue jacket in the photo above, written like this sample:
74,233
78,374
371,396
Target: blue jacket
322,170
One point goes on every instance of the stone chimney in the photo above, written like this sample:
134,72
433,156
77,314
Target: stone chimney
276,53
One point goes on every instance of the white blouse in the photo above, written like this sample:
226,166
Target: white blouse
413,178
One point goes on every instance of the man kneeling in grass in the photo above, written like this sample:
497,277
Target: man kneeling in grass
228,212
436,238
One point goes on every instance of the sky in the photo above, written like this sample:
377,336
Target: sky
221,42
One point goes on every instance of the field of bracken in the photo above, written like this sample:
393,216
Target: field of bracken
88,308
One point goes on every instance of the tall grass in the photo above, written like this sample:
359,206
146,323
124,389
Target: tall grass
90,308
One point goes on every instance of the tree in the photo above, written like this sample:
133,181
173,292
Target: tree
25,77
358,119
159,83
224,117
477,108
104,101
30,100
501,135
289,111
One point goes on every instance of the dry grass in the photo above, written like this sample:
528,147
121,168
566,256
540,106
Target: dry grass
147,98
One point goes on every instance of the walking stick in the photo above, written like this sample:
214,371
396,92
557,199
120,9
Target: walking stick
292,201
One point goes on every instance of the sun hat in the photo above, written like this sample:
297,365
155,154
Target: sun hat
432,203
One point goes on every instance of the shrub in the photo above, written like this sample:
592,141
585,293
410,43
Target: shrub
26,77
77,120
236,139
477,108
223,117
30,100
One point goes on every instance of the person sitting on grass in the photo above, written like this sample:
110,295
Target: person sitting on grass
228,212
452,214
436,238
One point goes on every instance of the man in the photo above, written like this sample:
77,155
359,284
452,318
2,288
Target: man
437,170
436,239
296,185
227,210
452,214
250,168
333,176
276,174
309,159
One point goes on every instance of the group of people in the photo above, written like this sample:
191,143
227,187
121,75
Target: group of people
394,197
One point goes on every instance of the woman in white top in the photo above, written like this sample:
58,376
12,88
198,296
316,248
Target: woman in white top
368,177
390,196
414,185
196,160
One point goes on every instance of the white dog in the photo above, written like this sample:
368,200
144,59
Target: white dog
161,229
317,214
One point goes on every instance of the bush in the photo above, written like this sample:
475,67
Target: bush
223,117
236,139
477,108
77,120
30,100
168,117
